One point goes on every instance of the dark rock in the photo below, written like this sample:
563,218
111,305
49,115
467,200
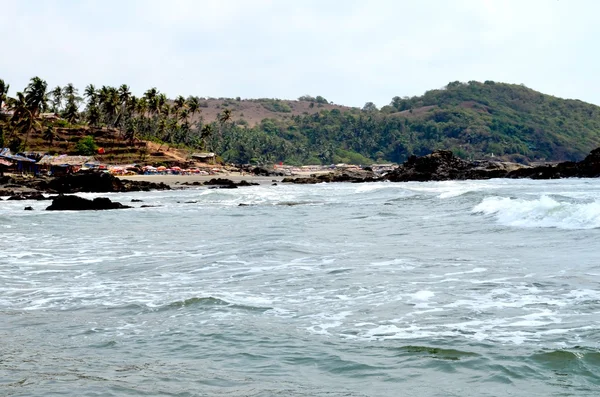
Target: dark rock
273,184
137,201
223,183
261,171
149,206
28,208
28,196
338,176
75,203
95,182
246,183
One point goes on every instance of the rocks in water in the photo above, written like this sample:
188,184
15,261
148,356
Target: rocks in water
340,176
261,171
224,183
76,203
137,201
99,182
28,208
28,196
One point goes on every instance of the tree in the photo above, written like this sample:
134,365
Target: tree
179,103
193,105
73,100
206,133
23,119
3,92
86,146
57,98
35,96
49,135
369,107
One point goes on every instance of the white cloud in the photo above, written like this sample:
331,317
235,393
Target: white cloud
350,52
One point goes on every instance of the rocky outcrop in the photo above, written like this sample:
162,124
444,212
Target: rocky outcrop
442,165
95,182
224,183
586,168
76,203
355,176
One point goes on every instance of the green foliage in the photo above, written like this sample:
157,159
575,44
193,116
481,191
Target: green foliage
276,105
86,146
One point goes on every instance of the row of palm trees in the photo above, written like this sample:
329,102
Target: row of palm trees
150,116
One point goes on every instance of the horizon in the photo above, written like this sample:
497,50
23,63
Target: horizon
350,55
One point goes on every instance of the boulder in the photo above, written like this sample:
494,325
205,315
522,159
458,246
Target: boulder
99,182
75,203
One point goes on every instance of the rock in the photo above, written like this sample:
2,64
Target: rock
338,176
223,183
261,171
149,206
75,203
137,201
99,182
28,208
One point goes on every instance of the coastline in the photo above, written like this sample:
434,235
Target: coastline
184,181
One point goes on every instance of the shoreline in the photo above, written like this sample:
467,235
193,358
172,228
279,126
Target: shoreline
178,181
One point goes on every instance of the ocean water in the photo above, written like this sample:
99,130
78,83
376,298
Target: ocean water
478,288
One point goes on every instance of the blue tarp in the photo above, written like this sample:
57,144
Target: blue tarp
6,154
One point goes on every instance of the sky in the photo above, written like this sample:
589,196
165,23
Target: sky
350,52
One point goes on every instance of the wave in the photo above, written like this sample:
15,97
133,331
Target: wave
544,212
437,352
212,302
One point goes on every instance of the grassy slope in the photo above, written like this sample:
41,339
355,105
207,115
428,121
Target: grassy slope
508,119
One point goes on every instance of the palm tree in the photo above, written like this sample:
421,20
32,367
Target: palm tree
71,112
3,92
49,135
141,106
179,103
206,132
124,94
193,104
57,97
23,118
151,94
35,96
90,92
225,117
154,105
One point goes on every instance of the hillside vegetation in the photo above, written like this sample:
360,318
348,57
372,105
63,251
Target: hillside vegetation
474,120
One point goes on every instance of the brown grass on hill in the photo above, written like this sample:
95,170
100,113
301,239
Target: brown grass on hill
255,110
116,150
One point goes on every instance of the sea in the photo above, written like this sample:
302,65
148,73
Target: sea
462,288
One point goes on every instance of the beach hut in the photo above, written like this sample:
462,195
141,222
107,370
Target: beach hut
64,164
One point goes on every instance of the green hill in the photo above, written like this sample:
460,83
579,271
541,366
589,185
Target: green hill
474,120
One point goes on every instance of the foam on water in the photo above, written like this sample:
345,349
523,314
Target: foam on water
544,211
307,292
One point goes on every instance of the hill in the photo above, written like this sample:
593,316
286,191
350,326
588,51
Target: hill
251,112
474,120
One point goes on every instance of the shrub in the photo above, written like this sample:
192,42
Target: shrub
86,146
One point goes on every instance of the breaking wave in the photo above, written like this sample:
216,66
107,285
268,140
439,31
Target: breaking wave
542,212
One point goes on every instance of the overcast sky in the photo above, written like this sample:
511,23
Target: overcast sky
348,51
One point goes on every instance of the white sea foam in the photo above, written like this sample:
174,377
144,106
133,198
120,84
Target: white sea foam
542,212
